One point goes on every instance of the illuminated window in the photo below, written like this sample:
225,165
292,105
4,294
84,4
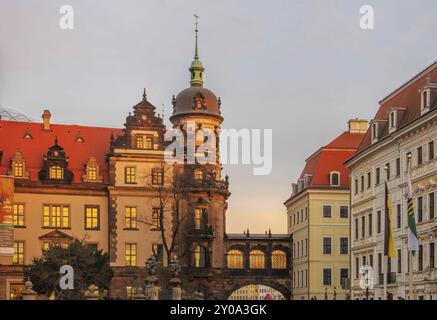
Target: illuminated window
199,257
92,173
130,175
139,142
149,142
18,257
235,259
55,172
279,259
18,169
18,210
15,290
200,216
256,259
55,216
48,244
130,292
131,254
130,218
198,175
92,217
157,176
156,218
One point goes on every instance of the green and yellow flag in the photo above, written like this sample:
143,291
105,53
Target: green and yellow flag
389,243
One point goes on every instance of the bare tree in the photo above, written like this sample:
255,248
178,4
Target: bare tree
168,187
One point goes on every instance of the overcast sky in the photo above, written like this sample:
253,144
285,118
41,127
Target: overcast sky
301,68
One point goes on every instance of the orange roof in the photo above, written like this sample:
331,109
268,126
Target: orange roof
331,158
95,143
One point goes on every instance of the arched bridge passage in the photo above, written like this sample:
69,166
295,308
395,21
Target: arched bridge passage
281,289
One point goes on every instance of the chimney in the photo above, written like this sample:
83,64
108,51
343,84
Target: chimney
358,126
46,120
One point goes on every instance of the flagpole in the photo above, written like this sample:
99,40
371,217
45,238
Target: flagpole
410,252
385,258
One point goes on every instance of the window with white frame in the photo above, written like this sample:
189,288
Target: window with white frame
335,178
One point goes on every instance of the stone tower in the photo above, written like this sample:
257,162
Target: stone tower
196,111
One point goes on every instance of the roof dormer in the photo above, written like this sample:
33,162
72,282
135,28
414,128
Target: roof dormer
428,97
394,118
377,128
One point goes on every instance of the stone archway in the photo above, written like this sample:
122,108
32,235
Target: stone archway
276,286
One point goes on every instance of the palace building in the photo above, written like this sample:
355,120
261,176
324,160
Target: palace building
102,186
402,135
318,219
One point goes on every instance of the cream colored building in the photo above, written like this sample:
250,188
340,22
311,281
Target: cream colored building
405,124
318,219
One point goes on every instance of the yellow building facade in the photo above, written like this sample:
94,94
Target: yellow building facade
318,220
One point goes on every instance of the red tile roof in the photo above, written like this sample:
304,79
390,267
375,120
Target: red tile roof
95,143
331,158
407,96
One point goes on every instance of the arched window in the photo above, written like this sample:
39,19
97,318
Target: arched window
235,259
56,172
335,178
279,259
199,257
198,175
256,259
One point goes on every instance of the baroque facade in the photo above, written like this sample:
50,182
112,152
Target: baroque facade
102,186
318,219
402,134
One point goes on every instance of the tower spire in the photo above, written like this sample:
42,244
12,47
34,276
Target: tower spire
196,68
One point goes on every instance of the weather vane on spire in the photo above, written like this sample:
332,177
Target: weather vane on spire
196,17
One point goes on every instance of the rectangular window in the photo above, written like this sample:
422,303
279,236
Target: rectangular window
362,183
18,169
398,167
357,268
370,224
399,215
431,200
420,209
92,217
130,175
378,176
378,222
344,275
56,216
419,156
327,211
157,176
356,186
130,218
130,254
431,153
18,257
369,180
356,229
327,249
344,245
327,277
379,262
432,255
363,227
344,212
420,257
156,218
399,257
139,142
18,210
387,167
149,142
92,173
371,260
